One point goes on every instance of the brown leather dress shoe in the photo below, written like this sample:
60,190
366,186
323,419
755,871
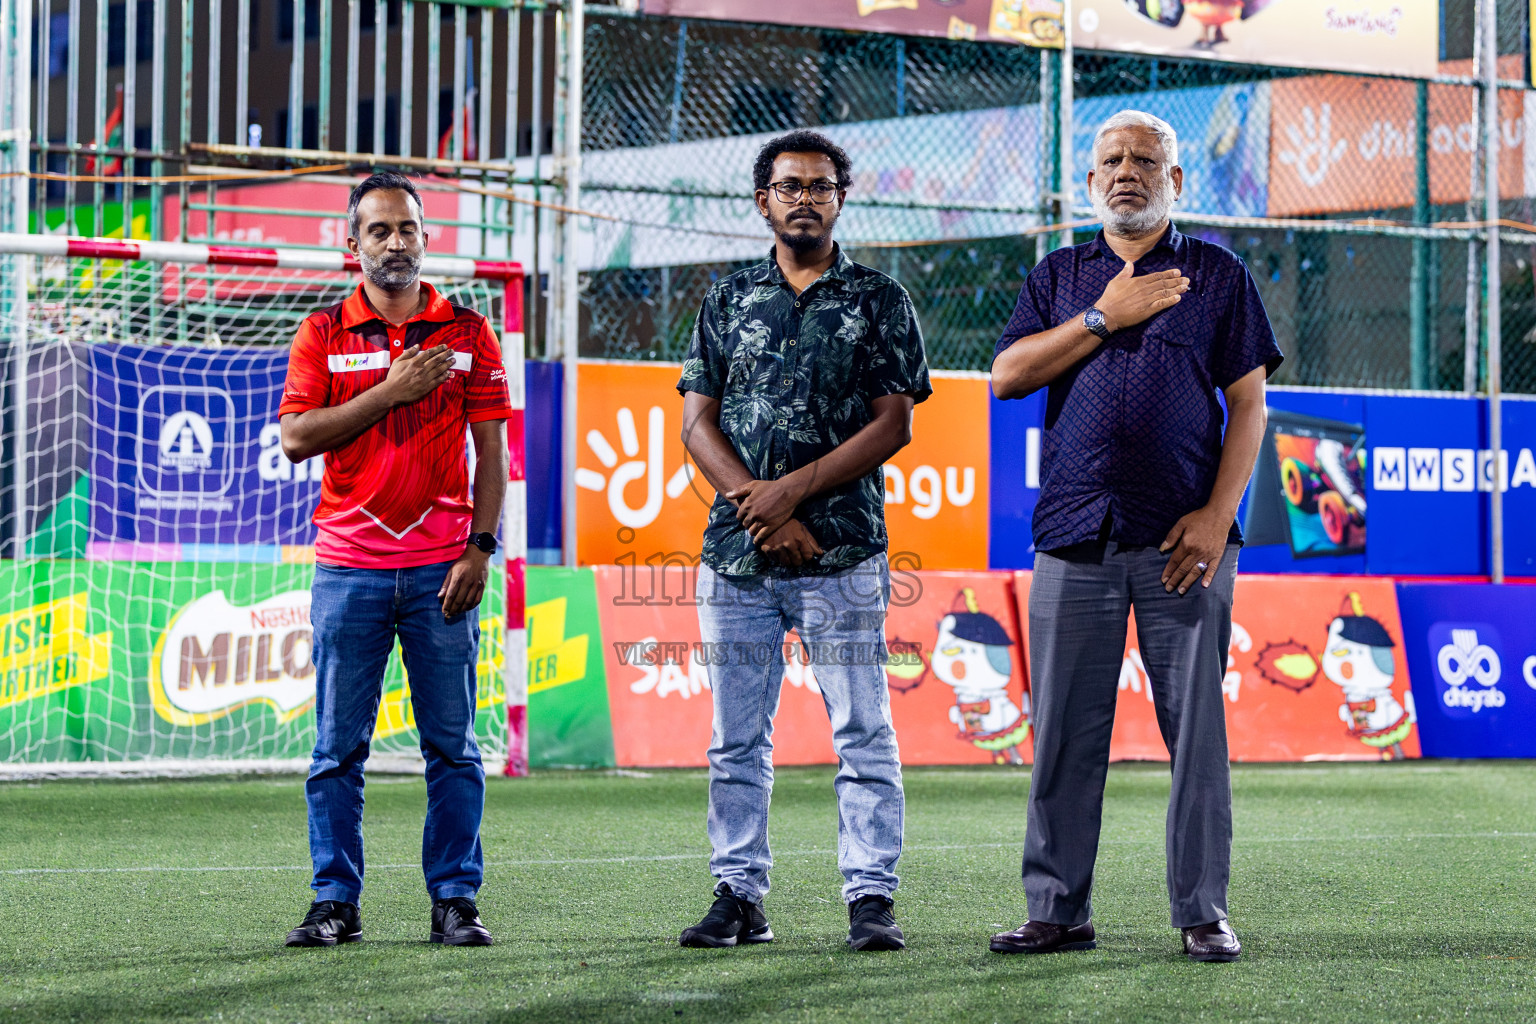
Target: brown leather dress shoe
1212,943
1043,937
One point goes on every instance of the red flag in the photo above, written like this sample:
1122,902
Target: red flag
114,133
466,119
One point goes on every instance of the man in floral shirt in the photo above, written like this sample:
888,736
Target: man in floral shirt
798,386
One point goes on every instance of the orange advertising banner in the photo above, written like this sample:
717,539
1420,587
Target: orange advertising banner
638,494
1315,672
639,497
1340,143
958,693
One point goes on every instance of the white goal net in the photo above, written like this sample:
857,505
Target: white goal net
155,545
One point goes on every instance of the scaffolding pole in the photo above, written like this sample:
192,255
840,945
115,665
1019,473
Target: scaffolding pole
1490,26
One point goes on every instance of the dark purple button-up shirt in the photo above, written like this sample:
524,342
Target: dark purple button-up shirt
1133,433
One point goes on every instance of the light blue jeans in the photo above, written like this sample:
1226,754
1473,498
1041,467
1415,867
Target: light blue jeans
841,622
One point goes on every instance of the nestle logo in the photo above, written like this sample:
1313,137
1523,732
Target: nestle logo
274,618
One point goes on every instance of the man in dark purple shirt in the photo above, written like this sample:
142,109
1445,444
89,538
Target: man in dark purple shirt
1134,334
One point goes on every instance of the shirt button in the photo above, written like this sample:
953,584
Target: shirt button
780,466
787,382
791,342
397,344
783,422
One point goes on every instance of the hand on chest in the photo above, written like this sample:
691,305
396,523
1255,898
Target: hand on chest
1188,327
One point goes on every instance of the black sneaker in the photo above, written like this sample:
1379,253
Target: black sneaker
456,922
730,920
327,923
872,924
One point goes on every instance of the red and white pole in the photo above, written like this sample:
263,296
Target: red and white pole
245,256
514,531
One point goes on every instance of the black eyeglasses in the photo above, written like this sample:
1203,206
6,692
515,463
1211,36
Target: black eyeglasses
822,192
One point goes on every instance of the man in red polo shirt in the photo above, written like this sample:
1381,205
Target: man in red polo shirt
385,384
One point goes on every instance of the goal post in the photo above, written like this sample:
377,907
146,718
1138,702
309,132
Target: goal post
157,548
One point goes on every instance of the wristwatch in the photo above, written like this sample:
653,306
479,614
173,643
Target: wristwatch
1094,321
484,541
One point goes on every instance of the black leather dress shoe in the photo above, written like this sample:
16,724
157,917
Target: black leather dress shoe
1212,943
1042,937
456,922
327,923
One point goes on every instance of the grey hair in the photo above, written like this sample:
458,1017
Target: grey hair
1148,122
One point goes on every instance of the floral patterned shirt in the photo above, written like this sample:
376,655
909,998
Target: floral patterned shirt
796,376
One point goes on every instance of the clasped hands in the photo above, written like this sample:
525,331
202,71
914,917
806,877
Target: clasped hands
766,508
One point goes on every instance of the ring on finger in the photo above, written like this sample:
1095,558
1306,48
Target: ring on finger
1202,566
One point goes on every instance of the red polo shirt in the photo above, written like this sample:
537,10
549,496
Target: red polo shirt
398,495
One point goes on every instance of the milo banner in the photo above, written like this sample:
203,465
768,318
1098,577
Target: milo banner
112,661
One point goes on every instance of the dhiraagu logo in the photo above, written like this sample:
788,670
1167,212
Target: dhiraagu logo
648,472
1467,667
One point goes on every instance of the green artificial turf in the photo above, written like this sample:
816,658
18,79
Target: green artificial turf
1382,892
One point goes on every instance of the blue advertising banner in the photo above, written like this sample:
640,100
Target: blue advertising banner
541,436
186,460
1016,427
1472,662
1431,473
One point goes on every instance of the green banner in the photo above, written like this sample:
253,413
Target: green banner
568,717
110,661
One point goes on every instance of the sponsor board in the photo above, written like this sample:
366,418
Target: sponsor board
953,661
111,661
1315,671
641,501
215,657
186,450
45,648
1393,37
1473,648
1342,143
1030,22
1430,476
568,716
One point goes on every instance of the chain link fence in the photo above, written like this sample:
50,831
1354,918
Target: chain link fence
1348,196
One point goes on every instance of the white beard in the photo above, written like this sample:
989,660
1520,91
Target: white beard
1133,223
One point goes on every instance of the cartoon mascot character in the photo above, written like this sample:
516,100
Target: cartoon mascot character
1358,660
971,656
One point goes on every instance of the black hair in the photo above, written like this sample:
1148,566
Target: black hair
374,182
802,141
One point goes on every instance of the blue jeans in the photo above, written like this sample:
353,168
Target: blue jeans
841,620
356,614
